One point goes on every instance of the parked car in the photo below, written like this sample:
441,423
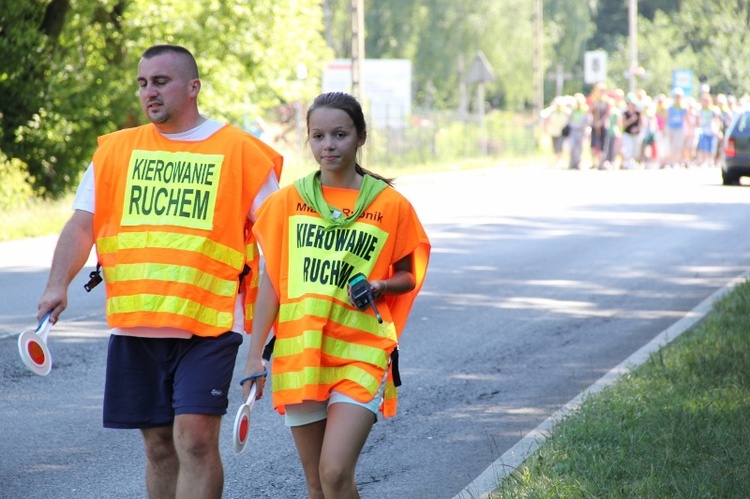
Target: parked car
736,162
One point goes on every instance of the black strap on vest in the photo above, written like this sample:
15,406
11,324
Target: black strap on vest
394,367
245,271
268,349
95,278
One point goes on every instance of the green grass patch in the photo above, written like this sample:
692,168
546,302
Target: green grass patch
677,426
37,217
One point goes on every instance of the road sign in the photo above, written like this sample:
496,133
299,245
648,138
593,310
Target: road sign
480,70
594,66
683,78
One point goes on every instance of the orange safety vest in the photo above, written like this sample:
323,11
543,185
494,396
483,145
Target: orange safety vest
170,248
323,343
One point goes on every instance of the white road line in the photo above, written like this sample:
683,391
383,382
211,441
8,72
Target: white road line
487,482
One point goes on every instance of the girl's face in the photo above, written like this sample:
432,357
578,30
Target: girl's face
333,139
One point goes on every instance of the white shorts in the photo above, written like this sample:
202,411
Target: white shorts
310,411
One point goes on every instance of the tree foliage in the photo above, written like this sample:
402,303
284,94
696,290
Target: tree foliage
568,27
717,31
442,38
611,19
709,37
69,68
27,41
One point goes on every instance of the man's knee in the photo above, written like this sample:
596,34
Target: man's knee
159,444
197,435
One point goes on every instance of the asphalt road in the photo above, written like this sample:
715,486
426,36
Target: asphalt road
540,282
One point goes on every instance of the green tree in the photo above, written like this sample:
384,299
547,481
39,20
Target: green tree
442,37
338,26
69,67
611,20
567,28
248,51
708,37
662,49
28,34
717,31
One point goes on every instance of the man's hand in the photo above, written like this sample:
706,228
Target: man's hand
54,300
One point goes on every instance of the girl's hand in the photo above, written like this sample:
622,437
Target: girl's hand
256,373
378,288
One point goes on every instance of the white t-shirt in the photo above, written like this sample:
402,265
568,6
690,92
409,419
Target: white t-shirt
84,201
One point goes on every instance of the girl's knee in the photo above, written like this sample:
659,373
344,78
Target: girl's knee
336,476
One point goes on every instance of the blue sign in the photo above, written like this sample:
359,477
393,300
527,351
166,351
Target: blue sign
683,78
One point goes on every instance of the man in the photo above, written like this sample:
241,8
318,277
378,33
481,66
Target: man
169,206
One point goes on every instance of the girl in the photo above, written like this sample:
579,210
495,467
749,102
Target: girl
334,365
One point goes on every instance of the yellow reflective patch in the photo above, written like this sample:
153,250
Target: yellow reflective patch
325,376
322,261
296,345
172,273
171,188
308,307
340,314
363,322
391,390
170,304
330,346
171,240
356,352
251,251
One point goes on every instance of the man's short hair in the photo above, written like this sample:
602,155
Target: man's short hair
156,50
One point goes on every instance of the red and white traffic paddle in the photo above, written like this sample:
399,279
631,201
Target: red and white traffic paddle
32,346
242,421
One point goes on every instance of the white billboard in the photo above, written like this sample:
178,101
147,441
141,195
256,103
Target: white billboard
387,88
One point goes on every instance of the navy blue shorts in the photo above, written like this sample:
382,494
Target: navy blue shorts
151,380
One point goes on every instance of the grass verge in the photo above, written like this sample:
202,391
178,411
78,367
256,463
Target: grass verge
38,218
677,426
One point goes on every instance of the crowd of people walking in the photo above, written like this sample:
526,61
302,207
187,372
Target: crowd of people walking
635,130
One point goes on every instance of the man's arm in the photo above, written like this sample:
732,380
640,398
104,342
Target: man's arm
72,251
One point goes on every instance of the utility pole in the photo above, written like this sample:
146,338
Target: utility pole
358,50
480,73
559,78
538,63
633,38
463,97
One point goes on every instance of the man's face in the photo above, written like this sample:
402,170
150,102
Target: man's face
166,91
